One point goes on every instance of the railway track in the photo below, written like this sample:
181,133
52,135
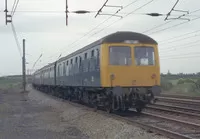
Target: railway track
176,110
180,102
172,128
180,96
183,120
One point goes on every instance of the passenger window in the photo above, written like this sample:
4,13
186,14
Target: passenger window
71,61
76,60
49,72
60,70
97,54
85,57
92,53
67,63
64,69
80,60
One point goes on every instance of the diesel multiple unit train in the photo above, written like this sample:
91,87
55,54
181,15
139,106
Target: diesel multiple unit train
118,72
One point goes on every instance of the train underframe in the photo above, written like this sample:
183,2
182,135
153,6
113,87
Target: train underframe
110,99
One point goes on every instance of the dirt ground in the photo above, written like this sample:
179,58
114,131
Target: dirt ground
35,115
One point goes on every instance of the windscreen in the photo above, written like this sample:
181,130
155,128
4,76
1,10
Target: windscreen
120,55
144,55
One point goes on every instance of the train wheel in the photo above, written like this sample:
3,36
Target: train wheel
126,109
109,108
80,98
139,110
95,105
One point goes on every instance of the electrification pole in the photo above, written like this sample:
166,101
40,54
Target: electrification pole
66,13
8,17
24,67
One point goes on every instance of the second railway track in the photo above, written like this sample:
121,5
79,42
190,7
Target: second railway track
176,129
180,96
194,104
175,110
181,116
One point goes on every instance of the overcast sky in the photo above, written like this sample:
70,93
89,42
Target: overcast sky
47,34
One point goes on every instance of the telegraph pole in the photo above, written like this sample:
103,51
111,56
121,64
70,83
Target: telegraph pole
24,67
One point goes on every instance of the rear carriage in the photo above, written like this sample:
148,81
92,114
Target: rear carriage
117,72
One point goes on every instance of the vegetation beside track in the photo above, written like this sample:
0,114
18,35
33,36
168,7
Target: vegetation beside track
181,84
177,84
9,82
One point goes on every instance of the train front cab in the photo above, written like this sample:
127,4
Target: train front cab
132,68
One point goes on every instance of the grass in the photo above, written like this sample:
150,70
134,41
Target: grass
7,83
174,82
188,89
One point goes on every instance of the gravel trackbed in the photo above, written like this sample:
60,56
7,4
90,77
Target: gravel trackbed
38,116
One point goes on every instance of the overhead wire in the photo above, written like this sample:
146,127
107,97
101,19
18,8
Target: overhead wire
122,18
77,40
180,54
36,61
175,25
167,22
88,12
185,38
172,48
160,25
114,23
16,39
82,36
180,57
13,10
182,45
13,6
178,49
175,37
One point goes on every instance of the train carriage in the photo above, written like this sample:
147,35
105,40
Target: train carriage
117,72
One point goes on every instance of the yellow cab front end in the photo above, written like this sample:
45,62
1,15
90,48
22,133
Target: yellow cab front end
130,65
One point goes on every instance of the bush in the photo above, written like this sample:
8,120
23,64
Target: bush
166,85
192,88
188,81
198,83
180,81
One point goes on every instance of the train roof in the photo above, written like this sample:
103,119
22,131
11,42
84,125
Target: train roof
121,36
47,66
117,37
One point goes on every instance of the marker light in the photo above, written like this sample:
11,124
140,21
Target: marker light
153,76
131,41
